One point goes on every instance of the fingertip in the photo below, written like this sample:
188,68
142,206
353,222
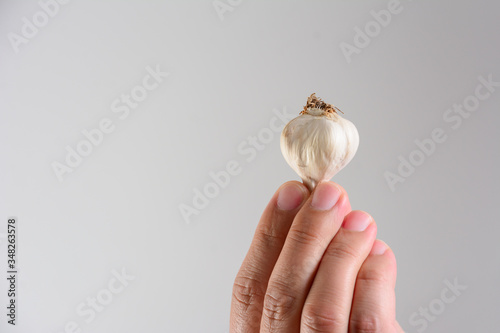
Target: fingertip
301,185
360,214
379,247
325,196
381,250
357,220
291,195
296,183
343,202
344,198
342,189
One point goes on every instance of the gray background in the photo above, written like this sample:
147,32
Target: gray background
120,207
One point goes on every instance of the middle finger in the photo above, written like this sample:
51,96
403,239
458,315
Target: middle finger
328,304
312,230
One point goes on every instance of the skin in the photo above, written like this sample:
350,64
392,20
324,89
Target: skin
315,265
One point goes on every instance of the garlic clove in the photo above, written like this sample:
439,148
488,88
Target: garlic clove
319,142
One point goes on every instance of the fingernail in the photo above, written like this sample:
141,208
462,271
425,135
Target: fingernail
325,196
357,221
290,197
378,248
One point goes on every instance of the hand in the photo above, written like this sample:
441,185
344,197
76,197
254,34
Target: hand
315,266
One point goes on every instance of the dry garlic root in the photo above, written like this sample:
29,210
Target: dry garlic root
318,143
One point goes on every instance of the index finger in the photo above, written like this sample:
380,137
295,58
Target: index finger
251,281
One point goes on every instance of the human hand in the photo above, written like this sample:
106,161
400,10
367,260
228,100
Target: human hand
315,266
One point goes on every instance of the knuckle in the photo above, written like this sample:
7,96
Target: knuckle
279,303
342,251
305,237
373,275
247,290
365,324
269,236
319,320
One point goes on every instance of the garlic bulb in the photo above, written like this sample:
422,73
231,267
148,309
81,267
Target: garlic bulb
318,143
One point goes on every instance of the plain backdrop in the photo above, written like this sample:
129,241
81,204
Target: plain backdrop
232,67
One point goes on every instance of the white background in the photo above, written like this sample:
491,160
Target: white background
120,207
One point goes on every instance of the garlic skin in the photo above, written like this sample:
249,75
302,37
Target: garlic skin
318,143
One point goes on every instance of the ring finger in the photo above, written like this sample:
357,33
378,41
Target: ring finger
328,304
